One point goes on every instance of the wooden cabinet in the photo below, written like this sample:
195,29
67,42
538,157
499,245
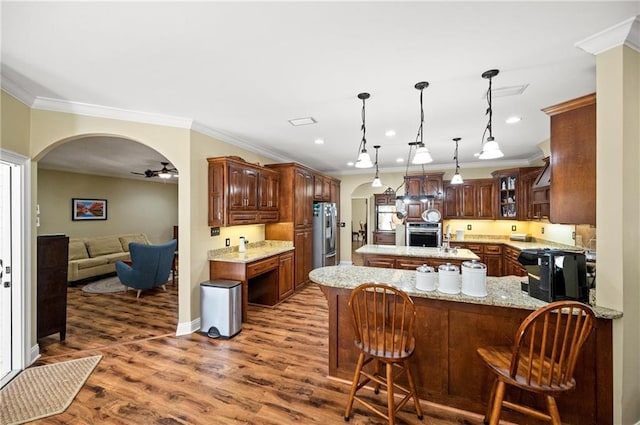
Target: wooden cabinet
379,261
243,187
52,263
471,199
511,264
297,185
513,189
573,161
268,189
490,255
303,241
266,281
424,184
400,262
303,198
321,188
508,194
335,192
241,193
420,187
528,178
285,276
384,232
384,238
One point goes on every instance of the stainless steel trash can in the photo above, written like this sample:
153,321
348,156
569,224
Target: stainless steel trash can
221,308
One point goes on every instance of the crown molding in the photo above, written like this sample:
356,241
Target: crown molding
14,90
233,140
87,109
625,33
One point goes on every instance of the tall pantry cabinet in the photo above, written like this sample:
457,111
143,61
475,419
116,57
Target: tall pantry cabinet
297,193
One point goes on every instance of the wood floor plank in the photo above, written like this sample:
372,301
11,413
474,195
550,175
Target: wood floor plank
273,372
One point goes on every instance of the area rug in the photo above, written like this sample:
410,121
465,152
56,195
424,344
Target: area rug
104,286
43,391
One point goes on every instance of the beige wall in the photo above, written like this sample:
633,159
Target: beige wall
132,205
14,124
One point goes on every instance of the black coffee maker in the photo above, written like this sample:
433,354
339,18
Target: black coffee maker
556,274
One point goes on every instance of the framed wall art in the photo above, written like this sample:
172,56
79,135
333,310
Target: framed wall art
88,209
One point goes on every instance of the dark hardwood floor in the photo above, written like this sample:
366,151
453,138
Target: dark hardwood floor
273,372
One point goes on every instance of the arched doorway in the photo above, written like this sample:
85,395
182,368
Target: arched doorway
112,168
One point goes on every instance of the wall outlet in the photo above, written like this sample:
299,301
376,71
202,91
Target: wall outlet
468,227
573,235
542,230
513,228
227,242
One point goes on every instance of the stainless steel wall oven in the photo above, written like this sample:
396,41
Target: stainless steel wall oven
424,234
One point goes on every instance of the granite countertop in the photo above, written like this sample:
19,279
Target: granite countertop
418,251
254,251
541,244
501,291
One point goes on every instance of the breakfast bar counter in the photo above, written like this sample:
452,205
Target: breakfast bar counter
449,330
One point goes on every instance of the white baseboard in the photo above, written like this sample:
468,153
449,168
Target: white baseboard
186,328
34,354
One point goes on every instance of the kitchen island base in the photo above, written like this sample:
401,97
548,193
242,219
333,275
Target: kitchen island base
449,372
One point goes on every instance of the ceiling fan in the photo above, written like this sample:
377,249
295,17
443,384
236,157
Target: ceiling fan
164,173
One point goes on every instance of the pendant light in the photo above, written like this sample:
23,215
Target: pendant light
490,148
364,160
457,178
422,155
376,181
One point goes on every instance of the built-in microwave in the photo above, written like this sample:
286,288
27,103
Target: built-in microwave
424,234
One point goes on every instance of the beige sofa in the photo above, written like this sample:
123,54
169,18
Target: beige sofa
90,257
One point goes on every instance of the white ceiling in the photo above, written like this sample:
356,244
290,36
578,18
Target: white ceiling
242,70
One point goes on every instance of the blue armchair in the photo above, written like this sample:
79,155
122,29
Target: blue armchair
150,267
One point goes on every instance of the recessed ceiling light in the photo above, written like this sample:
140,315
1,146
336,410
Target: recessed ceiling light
302,121
400,160
512,120
318,141
350,164
476,154
390,133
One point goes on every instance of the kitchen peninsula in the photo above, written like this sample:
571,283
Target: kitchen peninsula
410,257
450,328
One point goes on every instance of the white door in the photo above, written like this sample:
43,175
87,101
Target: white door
5,271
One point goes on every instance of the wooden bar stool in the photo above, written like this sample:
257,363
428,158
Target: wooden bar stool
542,359
383,320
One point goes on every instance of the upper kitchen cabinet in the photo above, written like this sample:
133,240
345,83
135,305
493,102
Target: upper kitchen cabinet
321,188
471,199
417,186
241,193
573,161
424,184
508,199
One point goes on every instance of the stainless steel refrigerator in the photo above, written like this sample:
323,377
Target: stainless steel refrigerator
325,228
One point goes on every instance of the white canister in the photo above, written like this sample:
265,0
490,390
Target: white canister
241,245
474,279
459,235
425,278
448,278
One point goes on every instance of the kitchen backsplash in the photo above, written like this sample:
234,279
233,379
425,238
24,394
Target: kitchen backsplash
540,230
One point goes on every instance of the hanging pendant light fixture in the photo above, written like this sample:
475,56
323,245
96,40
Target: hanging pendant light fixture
490,148
422,155
457,178
376,181
364,160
